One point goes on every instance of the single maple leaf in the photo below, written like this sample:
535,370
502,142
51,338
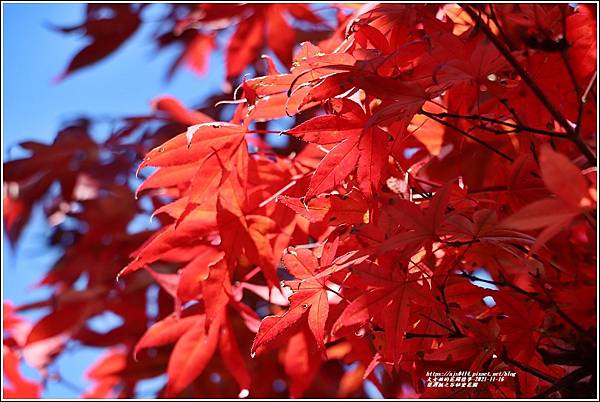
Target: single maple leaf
191,354
197,144
388,302
354,146
106,34
309,299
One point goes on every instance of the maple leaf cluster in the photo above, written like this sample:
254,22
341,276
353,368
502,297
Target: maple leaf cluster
434,208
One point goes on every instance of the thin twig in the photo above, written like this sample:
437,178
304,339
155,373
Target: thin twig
437,323
517,127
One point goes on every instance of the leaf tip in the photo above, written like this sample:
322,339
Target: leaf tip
59,78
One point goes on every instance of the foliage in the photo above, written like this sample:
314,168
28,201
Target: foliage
432,149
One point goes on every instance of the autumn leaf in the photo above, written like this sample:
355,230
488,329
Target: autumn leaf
191,354
309,299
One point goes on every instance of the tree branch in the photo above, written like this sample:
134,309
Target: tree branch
411,335
537,91
568,319
550,303
517,289
564,382
546,377
471,137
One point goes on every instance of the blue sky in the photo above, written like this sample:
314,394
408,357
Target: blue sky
35,107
